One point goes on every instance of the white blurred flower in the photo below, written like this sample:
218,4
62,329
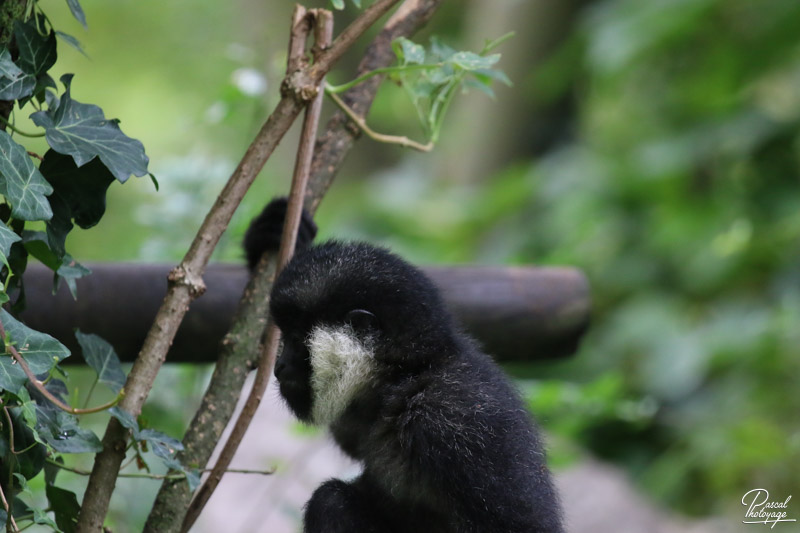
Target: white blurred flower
250,81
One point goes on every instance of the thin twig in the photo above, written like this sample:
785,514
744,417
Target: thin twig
13,128
377,72
186,281
82,472
46,393
240,345
8,511
372,134
323,30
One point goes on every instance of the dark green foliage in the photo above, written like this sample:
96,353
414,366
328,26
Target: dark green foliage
101,356
88,152
65,506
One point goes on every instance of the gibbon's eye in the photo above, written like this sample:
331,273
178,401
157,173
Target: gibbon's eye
361,320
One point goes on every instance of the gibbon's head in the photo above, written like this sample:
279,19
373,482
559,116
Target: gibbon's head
347,311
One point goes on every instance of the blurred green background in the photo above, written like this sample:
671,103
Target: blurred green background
654,144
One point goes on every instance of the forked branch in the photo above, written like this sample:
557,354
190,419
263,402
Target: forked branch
186,280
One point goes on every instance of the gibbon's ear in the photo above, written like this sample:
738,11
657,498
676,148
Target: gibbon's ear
362,321
264,233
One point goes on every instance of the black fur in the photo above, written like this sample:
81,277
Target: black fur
264,233
446,443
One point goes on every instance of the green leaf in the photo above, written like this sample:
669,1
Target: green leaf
41,351
14,83
12,377
41,517
440,51
77,12
163,446
127,420
70,270
83,188
29,462
72,41
408,52
65,506
472,61
487,75
59,226
37,53
51,471
475,84
61,431
27,407
7,238
18,508
338,4
431,78
100,355
357,3
37,245
21,183
82,131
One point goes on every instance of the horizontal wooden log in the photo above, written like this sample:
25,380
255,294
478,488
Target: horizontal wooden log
516,313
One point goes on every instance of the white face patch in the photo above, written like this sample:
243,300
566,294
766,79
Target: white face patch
341,365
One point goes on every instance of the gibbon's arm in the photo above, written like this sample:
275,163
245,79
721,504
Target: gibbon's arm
264,233
482,452
340,507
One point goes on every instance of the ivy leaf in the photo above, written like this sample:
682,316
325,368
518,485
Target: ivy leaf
51,471
70,271
42,518
163,446
65,506
82,131
27,463
472,61
14,83
41,351
408,52
59,226
27,407
72,41
83,188
37,53
127,420
22,185
12,377
337,4
36,244
77,12
470,84
166,448
61,431
486,76
100,355
7,238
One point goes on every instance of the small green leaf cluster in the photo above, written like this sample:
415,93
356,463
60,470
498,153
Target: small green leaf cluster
432,77
87,153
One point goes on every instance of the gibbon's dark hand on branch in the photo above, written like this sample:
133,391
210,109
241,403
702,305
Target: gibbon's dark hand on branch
264,233
370,351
